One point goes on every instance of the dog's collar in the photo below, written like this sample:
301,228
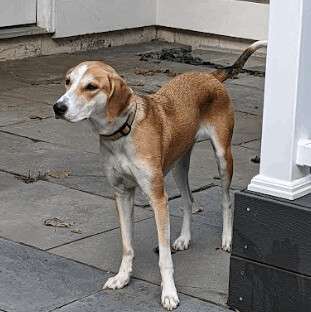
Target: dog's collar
124,130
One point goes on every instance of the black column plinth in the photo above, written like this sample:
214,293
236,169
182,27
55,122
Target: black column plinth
270,267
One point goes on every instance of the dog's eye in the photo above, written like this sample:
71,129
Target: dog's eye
67,82
91,87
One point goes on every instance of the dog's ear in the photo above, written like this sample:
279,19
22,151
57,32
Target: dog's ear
119,98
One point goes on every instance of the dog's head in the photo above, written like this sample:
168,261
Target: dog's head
93,88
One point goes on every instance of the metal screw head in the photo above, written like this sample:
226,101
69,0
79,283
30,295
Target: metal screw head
245,246
240,299
248,209
242,272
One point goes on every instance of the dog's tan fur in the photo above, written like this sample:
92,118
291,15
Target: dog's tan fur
164,130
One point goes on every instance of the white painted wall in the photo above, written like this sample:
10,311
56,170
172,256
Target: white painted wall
17,12
78,17
223,17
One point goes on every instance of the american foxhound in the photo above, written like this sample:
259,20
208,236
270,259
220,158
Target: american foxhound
143,137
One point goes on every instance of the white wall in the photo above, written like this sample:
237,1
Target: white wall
78,17
11,16
223,17
232,18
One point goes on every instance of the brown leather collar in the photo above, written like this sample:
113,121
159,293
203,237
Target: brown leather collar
124,130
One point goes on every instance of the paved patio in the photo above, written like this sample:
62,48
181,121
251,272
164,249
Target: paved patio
47,268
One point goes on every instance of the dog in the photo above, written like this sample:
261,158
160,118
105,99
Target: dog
142,138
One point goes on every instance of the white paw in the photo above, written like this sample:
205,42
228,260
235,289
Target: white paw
170,301
226,243
117,282
181,243
196,207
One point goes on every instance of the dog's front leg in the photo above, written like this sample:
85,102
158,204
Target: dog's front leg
125,206
159,203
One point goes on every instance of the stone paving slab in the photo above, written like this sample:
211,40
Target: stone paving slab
246,128
24,209
210,199
8,181
246,99
201,271
77,135
139,296
247,80
47,94
14,110
40,282
204,168
255,145
33,280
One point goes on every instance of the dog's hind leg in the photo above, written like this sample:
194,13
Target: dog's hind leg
125,206
221,141
180,173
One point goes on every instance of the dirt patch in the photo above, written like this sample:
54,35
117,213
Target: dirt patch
182,55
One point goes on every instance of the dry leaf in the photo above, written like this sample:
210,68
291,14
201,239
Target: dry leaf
77,230
59,174
57,223
196,208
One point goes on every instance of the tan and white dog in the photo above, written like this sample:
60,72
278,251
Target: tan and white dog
143,137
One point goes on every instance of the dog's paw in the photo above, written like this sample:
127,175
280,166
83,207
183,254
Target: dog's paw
196,207
181,243
117,282
170,301
226,243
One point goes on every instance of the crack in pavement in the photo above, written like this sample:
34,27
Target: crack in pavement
47,142
73,301
245,142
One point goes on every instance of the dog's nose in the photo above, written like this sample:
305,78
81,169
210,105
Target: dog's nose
59,108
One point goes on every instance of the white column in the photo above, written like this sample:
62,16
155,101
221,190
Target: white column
46,14
287,101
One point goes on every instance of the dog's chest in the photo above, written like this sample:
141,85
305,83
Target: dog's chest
118,165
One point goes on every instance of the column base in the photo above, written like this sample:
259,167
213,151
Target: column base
280,188
271,254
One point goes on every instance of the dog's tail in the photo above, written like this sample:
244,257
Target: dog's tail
231,71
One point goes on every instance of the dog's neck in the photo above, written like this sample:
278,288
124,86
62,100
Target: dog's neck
109,130
124,130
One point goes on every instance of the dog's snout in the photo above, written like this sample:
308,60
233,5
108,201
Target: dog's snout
59,108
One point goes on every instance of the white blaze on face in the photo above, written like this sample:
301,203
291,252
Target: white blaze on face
78,108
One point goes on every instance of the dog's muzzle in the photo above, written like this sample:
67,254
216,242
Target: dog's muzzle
59,109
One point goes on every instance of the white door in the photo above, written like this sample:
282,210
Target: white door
17,12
